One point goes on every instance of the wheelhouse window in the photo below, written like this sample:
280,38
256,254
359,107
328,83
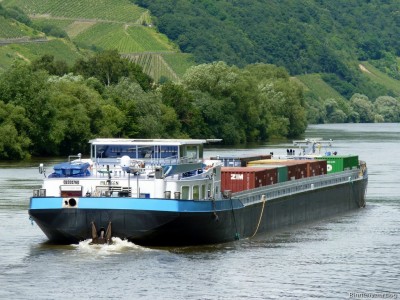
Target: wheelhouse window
196,192
190,151
146,152
185,192
114,151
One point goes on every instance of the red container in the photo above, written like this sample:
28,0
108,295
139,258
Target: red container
297,169
316,167
239,179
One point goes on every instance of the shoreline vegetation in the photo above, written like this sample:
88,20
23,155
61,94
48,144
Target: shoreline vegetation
50,109
47,108
143,77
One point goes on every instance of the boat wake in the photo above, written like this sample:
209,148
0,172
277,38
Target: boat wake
117,246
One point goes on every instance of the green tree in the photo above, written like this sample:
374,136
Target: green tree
177,97
333,113
363,107
249,104
143,110
109,67
388,108
111,121
14,142
52,66
21,86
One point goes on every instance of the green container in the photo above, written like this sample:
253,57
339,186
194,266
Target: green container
282,173
340,163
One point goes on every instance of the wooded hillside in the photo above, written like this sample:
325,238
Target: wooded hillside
304,36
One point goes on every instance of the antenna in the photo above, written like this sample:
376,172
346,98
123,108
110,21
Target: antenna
311,146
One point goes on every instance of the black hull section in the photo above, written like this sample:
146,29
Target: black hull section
157,228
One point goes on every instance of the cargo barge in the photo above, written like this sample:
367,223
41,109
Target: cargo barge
162,192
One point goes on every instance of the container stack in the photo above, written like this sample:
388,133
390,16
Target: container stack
237,179
339,163
295,169
248,172
239,161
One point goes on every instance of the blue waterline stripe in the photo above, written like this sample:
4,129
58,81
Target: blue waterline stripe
168,205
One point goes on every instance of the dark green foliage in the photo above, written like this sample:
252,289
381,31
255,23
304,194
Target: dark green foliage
52,30
14,142
15,13
47,113
53,67
189,115
246,105
343,87
108,67
317,36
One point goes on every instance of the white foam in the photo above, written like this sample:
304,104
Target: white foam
117,246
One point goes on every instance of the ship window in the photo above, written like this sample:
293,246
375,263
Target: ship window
196,191
192,152
185,192
146,152
203,191
189,151
169,151
101,151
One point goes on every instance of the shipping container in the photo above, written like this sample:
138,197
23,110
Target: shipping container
296,169
239,161
238,179
317,167
336,163
306,167
281,170
314,167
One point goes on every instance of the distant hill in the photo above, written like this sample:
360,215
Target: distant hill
334,49
324,36
117,24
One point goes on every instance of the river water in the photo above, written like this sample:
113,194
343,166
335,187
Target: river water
351,256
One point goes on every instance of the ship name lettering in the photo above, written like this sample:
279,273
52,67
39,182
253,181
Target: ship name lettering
71,181
104,182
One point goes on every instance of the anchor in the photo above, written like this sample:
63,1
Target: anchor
104,236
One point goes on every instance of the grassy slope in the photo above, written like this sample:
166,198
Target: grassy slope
30,51
377,76
116,10
179,62
113,24
314,84
13,29
125,39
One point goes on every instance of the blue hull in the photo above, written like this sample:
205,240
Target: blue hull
168,222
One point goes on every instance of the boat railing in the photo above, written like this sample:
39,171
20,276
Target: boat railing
77,157
138,166
151,161
296,186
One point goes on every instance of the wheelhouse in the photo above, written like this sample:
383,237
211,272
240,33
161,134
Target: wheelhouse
159,151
